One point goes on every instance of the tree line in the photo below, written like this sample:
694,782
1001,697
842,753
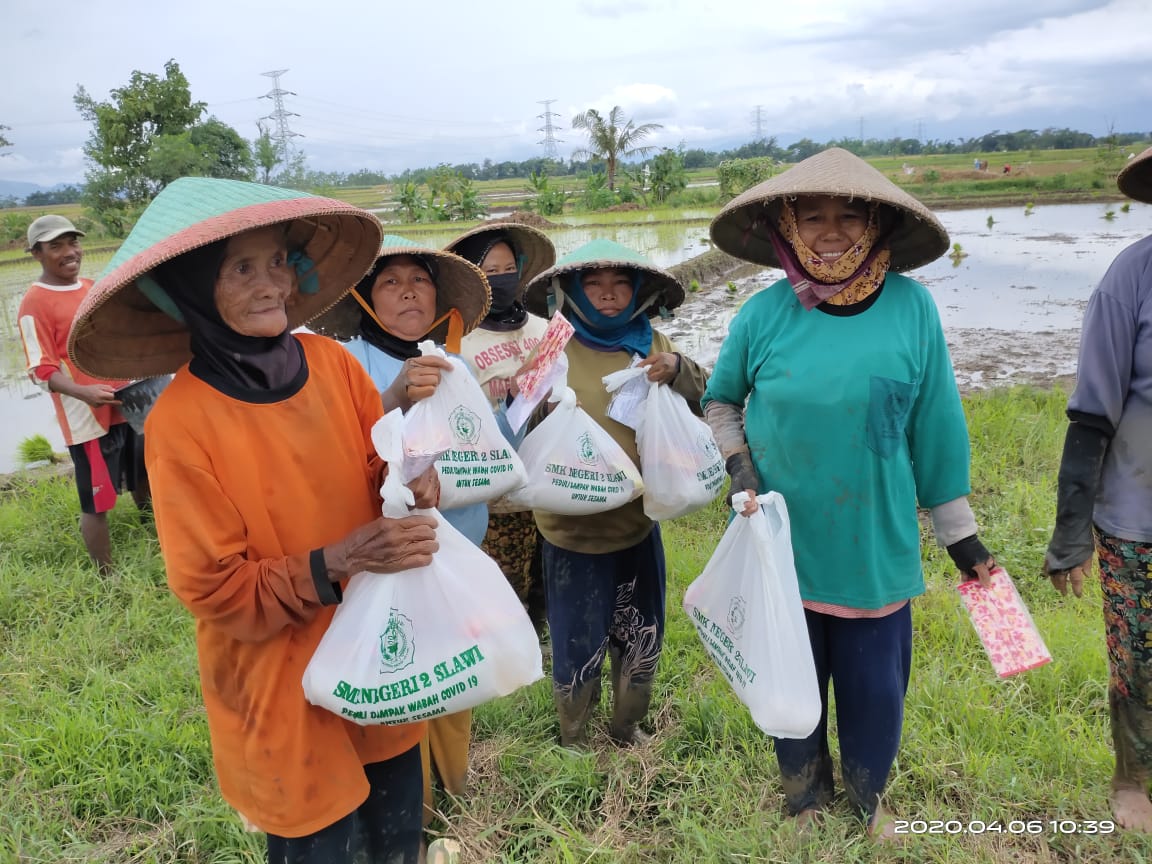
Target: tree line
150,131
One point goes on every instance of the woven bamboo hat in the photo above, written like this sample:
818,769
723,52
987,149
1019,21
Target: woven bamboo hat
122,332
1135,179
662,287
459,285
741,228
533,250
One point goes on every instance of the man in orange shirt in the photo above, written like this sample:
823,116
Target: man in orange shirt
106,452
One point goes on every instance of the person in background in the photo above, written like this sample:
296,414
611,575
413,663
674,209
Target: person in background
834,387
413,294
1104,501
108,456
266,488
604,574
510,255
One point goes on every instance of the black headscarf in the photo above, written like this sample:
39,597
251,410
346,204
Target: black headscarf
506,311
371,330
264,369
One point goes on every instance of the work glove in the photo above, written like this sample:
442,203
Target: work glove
968,553
743,473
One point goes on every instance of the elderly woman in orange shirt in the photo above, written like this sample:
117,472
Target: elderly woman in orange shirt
266,491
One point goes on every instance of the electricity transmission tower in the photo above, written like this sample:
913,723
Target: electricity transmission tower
758,119
550,140
279,115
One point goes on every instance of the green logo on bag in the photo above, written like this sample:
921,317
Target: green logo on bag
588,452
465,424
396,646
736,613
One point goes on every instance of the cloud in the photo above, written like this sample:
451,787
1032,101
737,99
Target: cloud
46,168
443,91
644,103
618,8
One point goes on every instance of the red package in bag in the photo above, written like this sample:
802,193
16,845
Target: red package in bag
1004,625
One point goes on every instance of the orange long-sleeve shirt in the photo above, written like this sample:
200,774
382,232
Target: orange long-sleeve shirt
242,493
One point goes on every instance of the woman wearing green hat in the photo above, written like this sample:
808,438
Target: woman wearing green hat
411,294
510,255
834,388
604,574
265,483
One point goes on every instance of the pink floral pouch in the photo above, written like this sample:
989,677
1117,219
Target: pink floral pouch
1004,625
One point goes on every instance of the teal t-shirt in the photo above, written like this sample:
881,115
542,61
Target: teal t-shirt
853,418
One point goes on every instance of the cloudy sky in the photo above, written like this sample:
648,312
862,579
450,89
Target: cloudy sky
391,85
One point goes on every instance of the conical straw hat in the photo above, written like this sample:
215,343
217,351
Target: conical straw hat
740,229
1135,179
459,285
534,251
607,253
120,333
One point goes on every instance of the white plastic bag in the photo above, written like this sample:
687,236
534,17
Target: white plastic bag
427,641
747,610
573,466
478,463
681,464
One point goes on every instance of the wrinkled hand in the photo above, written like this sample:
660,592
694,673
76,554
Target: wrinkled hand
418,379
383,546
97,394
662,368
1073,578
426,488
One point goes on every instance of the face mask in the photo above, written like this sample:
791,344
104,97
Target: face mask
504,288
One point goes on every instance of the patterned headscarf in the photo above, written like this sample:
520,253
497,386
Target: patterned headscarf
852,277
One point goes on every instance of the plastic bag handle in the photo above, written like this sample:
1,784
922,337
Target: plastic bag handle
388,436
613,381
428,349
770,517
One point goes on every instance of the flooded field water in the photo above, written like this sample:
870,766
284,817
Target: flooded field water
1011,307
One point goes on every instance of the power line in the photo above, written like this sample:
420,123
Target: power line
758,119
550,140
283,135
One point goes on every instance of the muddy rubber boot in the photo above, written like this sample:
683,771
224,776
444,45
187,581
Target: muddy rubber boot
574,711
630,701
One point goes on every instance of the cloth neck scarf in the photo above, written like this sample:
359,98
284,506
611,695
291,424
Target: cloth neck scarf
628,330
229,361
852,277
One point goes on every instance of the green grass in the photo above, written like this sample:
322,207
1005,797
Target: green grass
104,752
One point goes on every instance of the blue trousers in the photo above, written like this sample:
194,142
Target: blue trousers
385,829
600,602
868,661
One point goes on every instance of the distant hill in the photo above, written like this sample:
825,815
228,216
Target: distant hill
18,189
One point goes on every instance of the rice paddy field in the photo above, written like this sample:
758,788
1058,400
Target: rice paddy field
104,752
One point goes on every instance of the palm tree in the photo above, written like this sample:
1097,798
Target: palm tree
611,139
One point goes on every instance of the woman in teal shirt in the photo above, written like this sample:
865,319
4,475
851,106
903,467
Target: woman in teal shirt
834,387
